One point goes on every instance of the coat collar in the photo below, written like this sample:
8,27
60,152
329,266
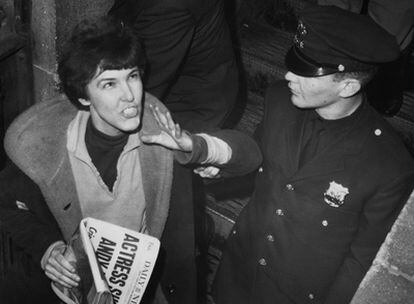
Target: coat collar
333,157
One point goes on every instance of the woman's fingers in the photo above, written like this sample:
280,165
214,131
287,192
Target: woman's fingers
61,276
60,270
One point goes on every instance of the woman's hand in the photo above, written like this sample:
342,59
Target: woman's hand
59,265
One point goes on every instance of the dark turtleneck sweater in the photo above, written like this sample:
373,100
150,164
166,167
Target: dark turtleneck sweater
104,151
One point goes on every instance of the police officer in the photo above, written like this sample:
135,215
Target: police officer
334,175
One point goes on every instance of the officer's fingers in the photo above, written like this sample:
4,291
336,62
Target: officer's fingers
162,121
170,122
155,113
177,130
210,172
161,117
198,170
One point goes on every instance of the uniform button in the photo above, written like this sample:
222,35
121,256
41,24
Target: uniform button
325,223
270,238
311,296
377,132
290,187
280,212
171,288
262,262
260,169
234,231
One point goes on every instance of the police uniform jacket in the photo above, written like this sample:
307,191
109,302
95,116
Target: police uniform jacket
309,234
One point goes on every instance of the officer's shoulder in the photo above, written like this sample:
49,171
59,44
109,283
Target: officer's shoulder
390,142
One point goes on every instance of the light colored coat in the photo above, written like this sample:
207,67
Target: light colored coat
36,143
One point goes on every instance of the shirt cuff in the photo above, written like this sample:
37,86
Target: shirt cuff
218,151
207,149
197,155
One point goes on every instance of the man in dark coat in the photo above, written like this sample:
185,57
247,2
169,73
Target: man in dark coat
190,57
334,175
192,70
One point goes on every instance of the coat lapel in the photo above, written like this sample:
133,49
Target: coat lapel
156,164
62,198
42,155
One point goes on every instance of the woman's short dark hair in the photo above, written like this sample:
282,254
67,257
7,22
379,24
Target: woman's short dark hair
103,44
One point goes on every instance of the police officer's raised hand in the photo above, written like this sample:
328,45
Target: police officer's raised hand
171,135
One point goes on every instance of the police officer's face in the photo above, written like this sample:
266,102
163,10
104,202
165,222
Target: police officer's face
115,100
313,92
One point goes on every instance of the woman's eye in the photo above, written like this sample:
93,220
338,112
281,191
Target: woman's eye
134,76
108,85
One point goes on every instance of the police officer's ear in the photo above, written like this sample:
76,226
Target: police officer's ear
84,102
349,87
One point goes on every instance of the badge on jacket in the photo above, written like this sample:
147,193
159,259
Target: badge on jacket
335,195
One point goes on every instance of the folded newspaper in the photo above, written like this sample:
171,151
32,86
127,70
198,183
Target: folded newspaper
114,264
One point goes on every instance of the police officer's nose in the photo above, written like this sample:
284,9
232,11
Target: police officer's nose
289,76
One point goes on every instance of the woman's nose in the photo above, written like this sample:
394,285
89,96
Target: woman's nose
127,93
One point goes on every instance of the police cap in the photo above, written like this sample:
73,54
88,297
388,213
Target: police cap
331,40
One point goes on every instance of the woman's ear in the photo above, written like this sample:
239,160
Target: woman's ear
84,102
349,87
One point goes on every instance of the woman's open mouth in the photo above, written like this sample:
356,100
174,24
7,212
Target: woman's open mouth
130,112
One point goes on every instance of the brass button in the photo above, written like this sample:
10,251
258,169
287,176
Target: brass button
311,296
290,187
270,238
325,223
171,289
234,231
262,262
280,212
260,169
377,132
